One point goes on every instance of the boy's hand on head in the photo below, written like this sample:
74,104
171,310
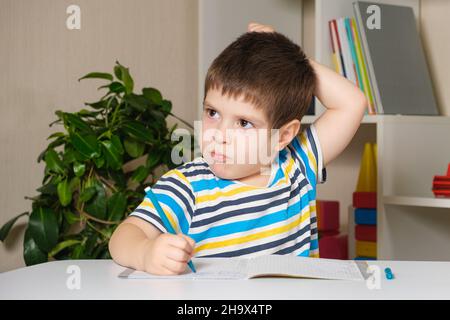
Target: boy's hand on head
168,254
256,27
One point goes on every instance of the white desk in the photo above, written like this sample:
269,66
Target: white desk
413,280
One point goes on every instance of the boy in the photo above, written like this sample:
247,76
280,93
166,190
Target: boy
221,208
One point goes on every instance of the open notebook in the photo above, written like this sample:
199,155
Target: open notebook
265,266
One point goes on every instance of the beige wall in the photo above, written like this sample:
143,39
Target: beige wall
436,39
41,60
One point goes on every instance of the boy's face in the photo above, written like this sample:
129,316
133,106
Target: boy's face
235,139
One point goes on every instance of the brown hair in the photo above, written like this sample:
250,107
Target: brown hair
269,71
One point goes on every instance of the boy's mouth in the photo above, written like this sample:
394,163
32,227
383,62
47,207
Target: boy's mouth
218,157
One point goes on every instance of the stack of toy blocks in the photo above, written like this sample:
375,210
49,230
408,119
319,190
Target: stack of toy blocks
365,207
332,244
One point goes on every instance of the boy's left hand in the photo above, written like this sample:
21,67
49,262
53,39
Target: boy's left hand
256,27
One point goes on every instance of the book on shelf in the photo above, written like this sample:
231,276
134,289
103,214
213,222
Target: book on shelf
387,63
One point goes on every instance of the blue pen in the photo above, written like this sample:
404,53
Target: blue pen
164,218
388,273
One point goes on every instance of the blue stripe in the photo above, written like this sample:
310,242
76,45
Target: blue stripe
309,172
304,253
312,142
179,184
241,200
295,247
247,225
239,212
314,244
263,246
210,184
177,194
152,217
191,164
167,200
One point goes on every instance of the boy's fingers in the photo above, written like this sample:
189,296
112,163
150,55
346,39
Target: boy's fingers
175,266
257,27
182,243
178,255
190,240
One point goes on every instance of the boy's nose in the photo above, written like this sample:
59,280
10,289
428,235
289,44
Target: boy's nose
222,135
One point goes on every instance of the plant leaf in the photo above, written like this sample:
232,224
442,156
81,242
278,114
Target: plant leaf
117,204
115,87
153,95
31,252
64,193
70,216
97,105
97,75
56,135
140,174
166,106
87,145
77,122
43,227
97,205
53,161
63,245
136,101
4,231
113,156
126,78
79,168
49,188
87,194
117,144
99,162
138,131
134,148
153,159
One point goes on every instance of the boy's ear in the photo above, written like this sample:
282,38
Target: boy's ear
287,133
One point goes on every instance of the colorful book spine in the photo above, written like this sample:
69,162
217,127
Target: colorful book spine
350,69
367,87
335,45
348,57
352,50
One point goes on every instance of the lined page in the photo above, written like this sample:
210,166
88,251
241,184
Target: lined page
294,266
207,268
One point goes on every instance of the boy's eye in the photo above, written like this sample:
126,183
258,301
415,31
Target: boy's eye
212,113
245,124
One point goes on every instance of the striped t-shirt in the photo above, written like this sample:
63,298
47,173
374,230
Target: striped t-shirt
228,218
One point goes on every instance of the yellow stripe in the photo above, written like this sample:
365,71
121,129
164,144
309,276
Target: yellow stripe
255,236
148,204
309,153
218,194
286,172
179,174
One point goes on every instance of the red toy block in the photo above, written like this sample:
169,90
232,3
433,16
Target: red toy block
440,185
328,233
366,233
366,200
334,247
327,215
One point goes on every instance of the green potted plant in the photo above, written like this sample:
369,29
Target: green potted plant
96,170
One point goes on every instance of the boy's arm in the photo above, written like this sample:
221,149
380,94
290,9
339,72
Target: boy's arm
345,105
131,240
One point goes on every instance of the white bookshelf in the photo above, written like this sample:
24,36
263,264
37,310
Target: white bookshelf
411,223
425,202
